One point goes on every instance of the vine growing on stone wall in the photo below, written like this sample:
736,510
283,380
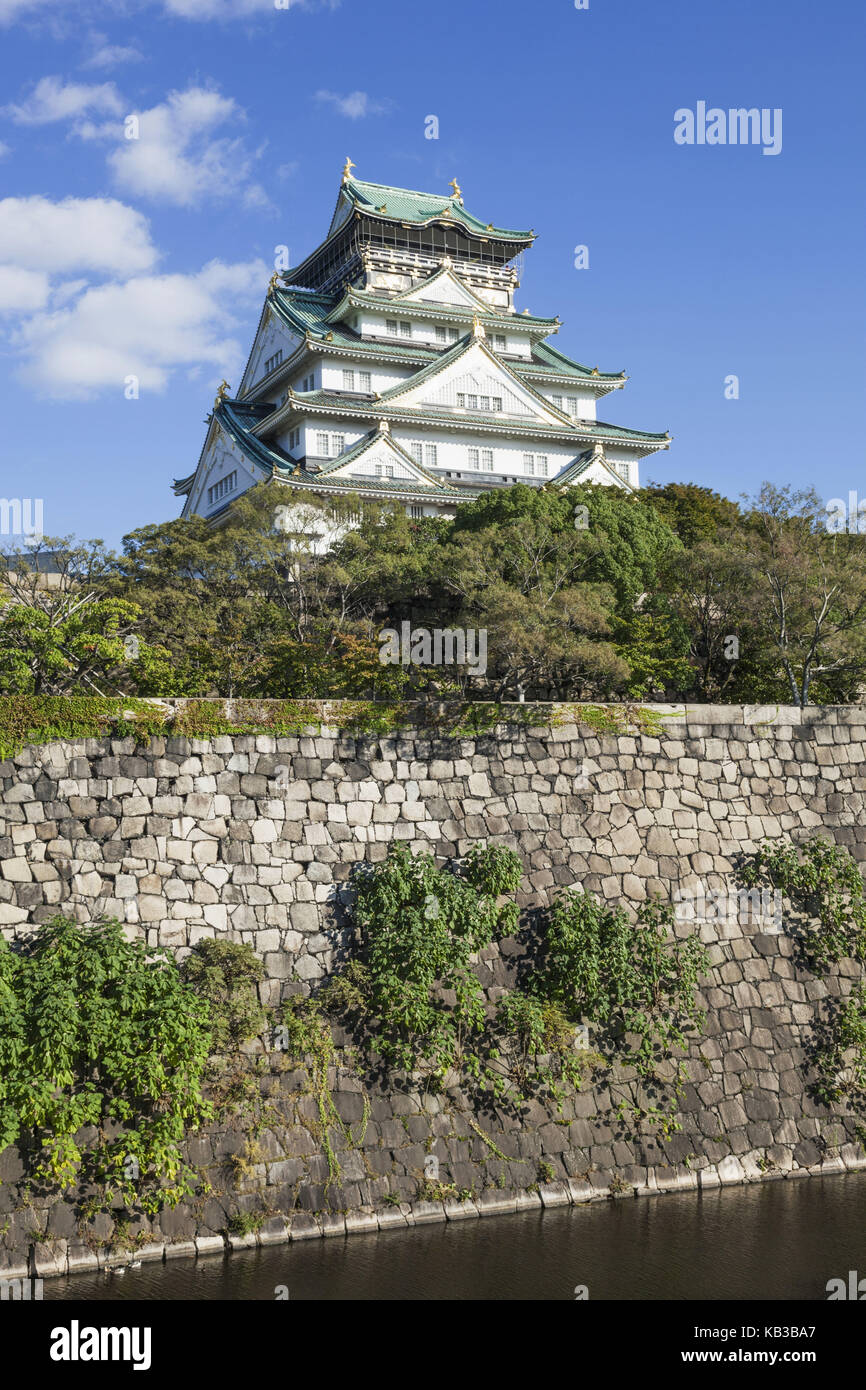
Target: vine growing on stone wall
824,883
825,887
629,980
95,1030
421,926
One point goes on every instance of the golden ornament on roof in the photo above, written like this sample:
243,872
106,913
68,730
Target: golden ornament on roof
458,192
221,394
347,169
273,282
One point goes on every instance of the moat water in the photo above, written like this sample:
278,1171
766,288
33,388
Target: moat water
775,1240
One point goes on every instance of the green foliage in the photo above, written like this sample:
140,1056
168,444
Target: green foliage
493,869
225,974
34,720
841,1058
308,1036
640,602
692,512
623,978
246,1223
95,1030
539,1044
655,644
421,925
824,882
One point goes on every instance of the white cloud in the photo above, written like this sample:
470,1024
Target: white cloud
22,291
110,55
224,9
4,149
354,104
178,159
99,235
149,327
11,10
54,100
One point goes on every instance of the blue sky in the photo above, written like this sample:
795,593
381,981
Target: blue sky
151,257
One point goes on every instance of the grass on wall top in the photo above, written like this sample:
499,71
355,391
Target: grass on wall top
27,720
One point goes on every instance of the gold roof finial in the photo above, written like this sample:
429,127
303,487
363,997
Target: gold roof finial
477,327
458,192
347,170
221,394
273,282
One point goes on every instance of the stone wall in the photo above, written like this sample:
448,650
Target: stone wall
258,837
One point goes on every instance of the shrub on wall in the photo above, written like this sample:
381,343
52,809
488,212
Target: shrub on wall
625,978
225,974
421,925
95,1030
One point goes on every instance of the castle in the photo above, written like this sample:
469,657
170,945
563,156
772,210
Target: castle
393,365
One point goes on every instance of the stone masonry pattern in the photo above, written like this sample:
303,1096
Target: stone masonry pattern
256,838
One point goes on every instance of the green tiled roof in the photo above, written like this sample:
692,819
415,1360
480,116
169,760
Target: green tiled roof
487,316
306,311
237,419
408,205
551,359
383,410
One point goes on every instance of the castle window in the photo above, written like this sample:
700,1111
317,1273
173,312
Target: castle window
472,402
366,381
416,450
557,401
272,362
473,458
461,400
529,464
484,402
497,402
441,334
385,470
624,470
391,328
453,335
322,445
417,512
405,330
338,444
220,489
572,406
348,380
499,342
487,460
430,455
542,465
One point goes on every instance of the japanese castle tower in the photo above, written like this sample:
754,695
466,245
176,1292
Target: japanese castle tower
392,364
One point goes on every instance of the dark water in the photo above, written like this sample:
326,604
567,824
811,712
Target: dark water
776,1240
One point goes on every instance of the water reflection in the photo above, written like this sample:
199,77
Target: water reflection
777,1240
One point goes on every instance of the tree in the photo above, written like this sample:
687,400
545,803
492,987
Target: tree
61,633
520,576
808,591
692,512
